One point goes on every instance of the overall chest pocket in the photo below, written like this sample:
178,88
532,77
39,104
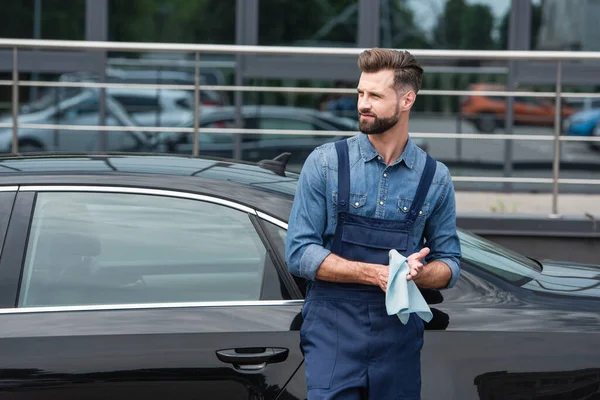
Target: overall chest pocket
405,204
357,203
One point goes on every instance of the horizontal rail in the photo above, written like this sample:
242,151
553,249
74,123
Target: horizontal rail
317,90
494,179
225,64
290,50
299,132
292,89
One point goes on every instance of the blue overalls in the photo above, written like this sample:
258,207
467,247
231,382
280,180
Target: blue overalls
352,348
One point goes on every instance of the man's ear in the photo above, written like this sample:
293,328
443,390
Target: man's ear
408,100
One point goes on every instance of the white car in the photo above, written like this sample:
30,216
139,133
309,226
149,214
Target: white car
81,109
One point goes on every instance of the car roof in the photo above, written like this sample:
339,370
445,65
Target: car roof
247,183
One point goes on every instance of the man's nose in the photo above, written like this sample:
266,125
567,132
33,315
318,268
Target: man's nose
363,104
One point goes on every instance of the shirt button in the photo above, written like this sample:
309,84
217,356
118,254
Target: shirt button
381,202
379,158
385,175
356,204
420,212
405,209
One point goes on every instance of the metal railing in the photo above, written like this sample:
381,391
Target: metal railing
558,57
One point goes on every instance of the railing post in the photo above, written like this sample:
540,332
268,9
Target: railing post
557,131
15,102
195,148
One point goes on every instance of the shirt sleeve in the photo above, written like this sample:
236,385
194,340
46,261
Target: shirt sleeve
308,220
440,232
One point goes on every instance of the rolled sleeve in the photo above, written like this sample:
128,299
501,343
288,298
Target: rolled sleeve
454,268
311,260
308,220
441,235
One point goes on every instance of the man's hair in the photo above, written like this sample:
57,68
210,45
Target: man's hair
407,71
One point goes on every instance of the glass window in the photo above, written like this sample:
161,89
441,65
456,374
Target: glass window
308,22
277,236
105,248
172,21
497,260
6,205
133,104
443,24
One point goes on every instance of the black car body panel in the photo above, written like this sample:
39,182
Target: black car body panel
495,334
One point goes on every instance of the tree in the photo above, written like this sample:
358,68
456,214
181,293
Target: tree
464,26
60,19
478,24
403,31
448,32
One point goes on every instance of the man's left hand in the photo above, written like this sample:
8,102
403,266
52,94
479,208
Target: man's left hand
415,263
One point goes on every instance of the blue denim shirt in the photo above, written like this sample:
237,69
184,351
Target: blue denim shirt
376,191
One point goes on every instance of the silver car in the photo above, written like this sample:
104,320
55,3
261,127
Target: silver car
81,109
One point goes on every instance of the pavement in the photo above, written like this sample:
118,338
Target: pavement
531,159
493,151
572,205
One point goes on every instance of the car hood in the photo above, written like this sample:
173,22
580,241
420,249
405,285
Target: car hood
567,279
585,116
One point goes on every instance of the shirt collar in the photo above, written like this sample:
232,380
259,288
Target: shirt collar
369,153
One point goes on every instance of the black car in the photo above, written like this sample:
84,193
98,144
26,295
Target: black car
279,120
132,276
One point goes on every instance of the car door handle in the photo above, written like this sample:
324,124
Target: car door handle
252,358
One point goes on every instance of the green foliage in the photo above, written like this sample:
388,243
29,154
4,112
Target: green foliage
465,27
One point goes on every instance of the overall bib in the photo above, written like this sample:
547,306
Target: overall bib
352,348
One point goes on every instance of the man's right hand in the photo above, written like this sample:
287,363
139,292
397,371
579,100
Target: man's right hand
382,275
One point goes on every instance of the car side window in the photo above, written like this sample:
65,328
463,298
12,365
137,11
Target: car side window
88,107
6,206
138,104
119,248
277,236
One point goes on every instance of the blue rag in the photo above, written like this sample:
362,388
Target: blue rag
403,297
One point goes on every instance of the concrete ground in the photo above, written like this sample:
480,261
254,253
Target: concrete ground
527,203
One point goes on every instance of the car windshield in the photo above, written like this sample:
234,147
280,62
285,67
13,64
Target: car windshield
497,260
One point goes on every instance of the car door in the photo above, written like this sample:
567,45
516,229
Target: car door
140,293
491,339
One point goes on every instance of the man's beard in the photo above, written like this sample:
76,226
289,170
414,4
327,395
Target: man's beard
378,125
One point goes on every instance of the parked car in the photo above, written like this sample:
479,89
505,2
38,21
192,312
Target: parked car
150,76
488,112
585,123
148,107
153,107
164,277
255,147
81,109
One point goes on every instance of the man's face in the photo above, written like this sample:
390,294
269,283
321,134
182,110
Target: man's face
378,102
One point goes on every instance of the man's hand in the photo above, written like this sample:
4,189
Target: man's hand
382,275
415,263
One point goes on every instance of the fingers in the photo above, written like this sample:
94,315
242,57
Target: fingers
415,269
420,255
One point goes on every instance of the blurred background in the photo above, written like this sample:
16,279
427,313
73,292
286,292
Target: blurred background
461,117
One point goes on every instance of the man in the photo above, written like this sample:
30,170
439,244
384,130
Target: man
357,199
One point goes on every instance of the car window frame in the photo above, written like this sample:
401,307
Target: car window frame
15,259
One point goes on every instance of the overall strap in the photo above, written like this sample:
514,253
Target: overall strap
424,184
341,147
